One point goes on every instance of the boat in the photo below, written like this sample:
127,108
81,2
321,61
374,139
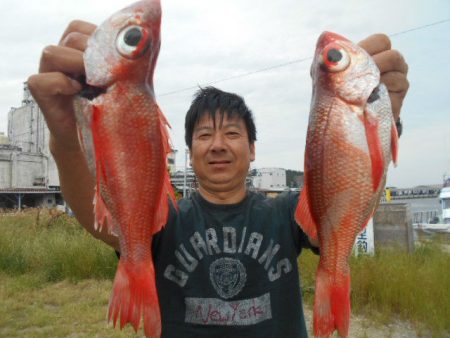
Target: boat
444,197
438,223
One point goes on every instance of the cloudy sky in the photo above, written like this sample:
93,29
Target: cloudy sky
210,41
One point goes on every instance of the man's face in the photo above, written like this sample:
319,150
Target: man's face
221,153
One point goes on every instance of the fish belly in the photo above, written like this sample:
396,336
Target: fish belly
131,177
340,192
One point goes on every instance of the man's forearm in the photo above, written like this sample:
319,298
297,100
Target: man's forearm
77,187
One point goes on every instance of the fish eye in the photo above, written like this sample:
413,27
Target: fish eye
334,58
132,42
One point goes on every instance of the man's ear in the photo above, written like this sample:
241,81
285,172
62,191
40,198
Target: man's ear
252,152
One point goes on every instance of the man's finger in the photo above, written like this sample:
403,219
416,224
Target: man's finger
396,103
79,26
75,40
62,59
51,84
376,43
53,93
395,81
390,60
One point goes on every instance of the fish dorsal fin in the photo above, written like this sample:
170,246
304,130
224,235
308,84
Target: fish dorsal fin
303,215
371,126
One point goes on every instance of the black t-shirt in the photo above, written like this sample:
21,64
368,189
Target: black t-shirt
231,270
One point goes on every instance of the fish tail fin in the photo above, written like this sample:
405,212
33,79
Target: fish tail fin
134,294
331,304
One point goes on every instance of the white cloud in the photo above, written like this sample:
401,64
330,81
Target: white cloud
208,40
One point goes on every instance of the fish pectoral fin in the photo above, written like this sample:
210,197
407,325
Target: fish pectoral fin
162,209
83,113
101,214
371,126
303,215
394,142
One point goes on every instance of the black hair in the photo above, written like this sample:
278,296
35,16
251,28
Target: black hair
210,100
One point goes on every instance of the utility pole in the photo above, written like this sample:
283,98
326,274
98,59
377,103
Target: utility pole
186,151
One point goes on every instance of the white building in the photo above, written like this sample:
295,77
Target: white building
171,161
28,172
273,179
184,180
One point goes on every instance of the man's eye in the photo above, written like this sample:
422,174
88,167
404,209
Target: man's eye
232,133
205,135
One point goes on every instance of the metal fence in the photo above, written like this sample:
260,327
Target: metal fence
426,217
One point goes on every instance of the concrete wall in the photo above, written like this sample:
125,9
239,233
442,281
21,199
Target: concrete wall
5,173
53,177
29,171
22,170
46,201
393,226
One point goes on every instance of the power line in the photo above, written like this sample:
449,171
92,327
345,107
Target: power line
420,27
300,60
241,75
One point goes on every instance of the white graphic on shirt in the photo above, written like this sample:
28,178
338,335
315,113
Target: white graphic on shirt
228,240
214,311
228,276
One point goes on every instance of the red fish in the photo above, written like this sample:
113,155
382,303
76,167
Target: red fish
125,138
350,142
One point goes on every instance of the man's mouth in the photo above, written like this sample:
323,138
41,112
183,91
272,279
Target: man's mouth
219,162
219,165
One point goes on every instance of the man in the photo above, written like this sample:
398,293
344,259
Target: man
226,263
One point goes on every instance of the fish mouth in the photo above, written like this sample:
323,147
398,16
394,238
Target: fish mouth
90,92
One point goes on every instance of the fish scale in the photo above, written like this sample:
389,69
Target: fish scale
349,145
125,139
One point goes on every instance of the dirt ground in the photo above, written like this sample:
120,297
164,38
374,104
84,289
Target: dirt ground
361,327
77,310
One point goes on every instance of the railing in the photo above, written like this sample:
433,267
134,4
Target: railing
410,196
423,217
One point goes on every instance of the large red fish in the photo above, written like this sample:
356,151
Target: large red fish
350,142
125,138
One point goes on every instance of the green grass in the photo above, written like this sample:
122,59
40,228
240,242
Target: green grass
396,285
54,247
55,279
30,308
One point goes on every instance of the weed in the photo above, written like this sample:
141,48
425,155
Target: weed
395,284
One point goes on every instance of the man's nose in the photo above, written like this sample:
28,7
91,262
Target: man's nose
218,142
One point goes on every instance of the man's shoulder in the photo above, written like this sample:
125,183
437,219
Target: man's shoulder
285,198
253,199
